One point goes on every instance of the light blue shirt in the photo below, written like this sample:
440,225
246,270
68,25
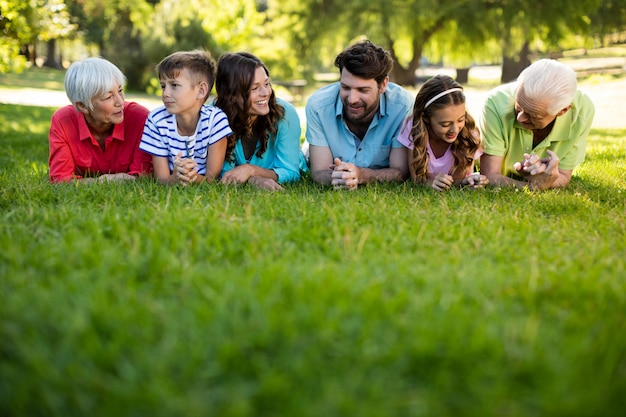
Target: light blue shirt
282,155
325,126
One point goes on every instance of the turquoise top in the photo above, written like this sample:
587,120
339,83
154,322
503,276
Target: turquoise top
283,154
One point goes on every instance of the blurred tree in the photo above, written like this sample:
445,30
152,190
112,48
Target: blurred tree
608,19
401,26
27,22
118,28
520,27
14,32
460,30
213,25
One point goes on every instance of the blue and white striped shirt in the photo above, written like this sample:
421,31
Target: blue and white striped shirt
160,135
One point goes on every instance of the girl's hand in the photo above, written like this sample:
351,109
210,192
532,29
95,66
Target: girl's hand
442,182
475,180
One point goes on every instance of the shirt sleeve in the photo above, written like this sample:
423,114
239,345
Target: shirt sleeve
152,141
61,161
136,120
405,134
576,154
287,161
491,127
315,133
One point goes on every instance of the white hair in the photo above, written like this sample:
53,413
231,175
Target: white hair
549,81
90,78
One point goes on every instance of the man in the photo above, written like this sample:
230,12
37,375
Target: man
352,125
535,130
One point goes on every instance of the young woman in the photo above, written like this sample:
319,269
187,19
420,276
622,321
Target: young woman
441,137
264,149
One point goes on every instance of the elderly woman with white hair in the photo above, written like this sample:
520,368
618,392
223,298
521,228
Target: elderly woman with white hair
98,135
535,129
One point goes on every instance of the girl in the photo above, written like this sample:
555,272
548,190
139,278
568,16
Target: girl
441,137
264,149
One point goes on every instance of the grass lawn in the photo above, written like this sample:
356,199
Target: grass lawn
137,299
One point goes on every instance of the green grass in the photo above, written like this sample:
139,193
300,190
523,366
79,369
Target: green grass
137,299
47,78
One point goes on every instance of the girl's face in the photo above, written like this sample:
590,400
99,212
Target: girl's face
446,123
260,93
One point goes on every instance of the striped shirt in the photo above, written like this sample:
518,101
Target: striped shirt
160,135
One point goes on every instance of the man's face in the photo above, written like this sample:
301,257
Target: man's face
532,114
360,97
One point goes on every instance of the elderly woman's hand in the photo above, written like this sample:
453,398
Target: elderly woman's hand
122,176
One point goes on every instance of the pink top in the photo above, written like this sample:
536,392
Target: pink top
436,166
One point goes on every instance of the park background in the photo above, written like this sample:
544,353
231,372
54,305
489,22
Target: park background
137,299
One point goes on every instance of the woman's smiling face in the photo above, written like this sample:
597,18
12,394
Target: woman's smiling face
260,93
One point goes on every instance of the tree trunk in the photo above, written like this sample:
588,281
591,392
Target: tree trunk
51,60
404,76
512,66
462,75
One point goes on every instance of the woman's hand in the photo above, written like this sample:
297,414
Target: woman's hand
122,176
265,183
238,175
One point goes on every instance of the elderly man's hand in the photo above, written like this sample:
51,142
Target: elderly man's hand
531,165
546,176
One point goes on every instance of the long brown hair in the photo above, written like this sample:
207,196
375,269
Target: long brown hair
466,143
235,75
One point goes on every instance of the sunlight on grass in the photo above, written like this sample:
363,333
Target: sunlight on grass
230,301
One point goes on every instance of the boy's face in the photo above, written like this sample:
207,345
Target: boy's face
181,95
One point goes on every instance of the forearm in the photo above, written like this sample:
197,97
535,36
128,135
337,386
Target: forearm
561,181
257,171
499,180
323,177
368,175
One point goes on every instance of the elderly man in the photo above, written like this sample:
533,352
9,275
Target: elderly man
535,130
352,125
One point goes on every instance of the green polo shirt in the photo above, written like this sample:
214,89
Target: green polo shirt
504,136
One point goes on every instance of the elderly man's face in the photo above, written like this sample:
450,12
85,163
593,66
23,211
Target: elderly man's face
532,114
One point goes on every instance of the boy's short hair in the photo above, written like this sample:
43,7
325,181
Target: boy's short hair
199,63
90,78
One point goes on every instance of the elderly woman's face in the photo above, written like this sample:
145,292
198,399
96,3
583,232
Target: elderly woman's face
108,108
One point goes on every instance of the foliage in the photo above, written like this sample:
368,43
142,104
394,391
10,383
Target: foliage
139,299
608,18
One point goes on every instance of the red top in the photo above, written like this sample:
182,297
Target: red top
74,153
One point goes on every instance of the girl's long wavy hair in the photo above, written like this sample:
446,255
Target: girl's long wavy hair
235,75
466,143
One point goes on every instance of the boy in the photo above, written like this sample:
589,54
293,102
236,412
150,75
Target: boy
184,136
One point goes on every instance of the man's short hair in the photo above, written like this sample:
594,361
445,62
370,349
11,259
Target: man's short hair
549,81
90,78
365,60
